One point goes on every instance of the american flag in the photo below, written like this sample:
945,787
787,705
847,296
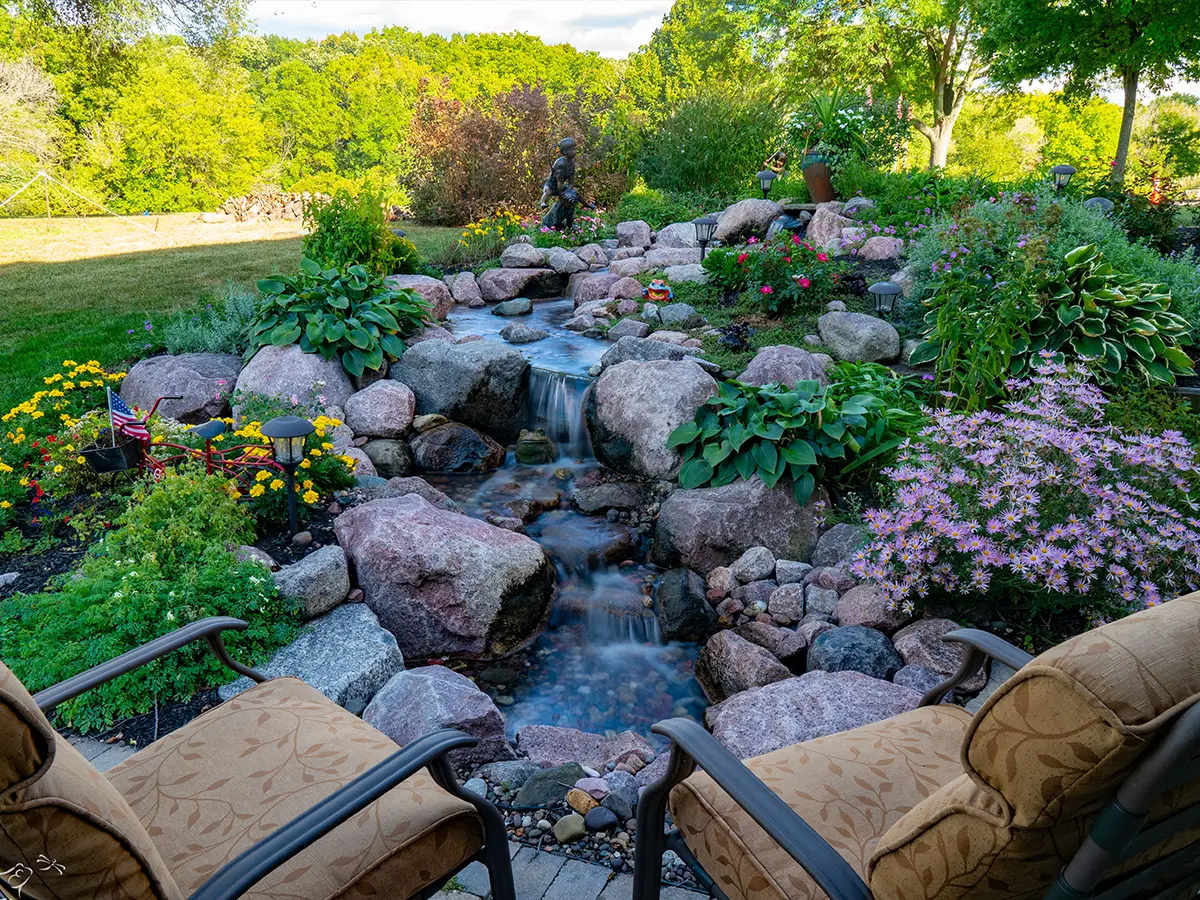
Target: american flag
123,420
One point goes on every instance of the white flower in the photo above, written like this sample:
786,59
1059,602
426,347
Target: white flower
170,616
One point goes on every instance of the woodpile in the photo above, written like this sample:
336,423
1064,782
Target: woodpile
271,205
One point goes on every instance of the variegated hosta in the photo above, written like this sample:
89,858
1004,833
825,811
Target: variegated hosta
1099,313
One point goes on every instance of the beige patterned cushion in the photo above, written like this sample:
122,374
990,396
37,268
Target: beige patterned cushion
65,832
226,780
1057,737
851,787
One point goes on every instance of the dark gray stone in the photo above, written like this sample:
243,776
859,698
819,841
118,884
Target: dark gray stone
646,350
601,818
522,306
509,773
390,457
680,317
622,495
683,611
454,447
520,333
549,786
855,648
619,804
838,544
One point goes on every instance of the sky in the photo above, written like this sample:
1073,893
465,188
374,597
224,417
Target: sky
613,28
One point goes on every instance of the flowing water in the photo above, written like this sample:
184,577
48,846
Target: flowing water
602,665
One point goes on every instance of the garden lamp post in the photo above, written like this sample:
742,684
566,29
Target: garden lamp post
885,294
706,227
1062,176
287,434
765,178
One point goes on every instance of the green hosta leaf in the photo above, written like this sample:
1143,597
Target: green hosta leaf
1140,346
684,434
767,456
392,346
1142,326
1158,372
1088,346
335,331
1178,360
770,478
1081,255
798,452
925,352
284,334
718,453
695,473
1112,360
374,358
745,463
271,286
771,430
802,488
359,338
738,435
353,361
1092,327
308,267
1068,314
726,474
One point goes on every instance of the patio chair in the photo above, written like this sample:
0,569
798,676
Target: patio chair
278,793
1078,778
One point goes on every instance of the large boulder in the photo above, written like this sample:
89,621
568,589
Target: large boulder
564,262
680,316
506,283
522,256
454,447
385,409
855,648
691,273
710,527
783,364
289,372
592,255
344,654
633,407
520,306
629,266
600,498
799,709
921,644
204,381
730,664
595,287
552,745
628,328
825,228
881,247
858,337
445,583
629,348
626,289
464,288
433,290
838,544
633,234
746,218
390,457
683,611
520,333
414,703
402,487
866,605
319,582
677,234
483,384
664,257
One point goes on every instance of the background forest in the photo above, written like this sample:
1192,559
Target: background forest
452,129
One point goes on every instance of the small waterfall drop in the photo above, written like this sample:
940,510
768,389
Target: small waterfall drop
556,406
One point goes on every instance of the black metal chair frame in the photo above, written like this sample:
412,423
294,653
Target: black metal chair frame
428,752
1118,833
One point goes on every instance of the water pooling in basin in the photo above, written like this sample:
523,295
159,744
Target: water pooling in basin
563,351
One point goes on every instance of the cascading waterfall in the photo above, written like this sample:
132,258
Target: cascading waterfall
556,406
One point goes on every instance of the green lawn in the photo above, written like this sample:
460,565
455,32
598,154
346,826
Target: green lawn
68,292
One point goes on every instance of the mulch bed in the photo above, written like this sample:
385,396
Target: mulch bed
144,730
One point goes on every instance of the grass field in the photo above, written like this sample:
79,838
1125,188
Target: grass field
72,288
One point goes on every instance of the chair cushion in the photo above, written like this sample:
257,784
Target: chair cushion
226,780
65,832
960,843
1057,737
851,787
26,736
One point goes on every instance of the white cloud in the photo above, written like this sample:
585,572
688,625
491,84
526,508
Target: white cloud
612,28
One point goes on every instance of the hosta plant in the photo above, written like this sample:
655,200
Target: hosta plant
348,315
1097,312
801,432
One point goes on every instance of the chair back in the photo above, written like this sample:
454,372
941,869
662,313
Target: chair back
65,832
1045,754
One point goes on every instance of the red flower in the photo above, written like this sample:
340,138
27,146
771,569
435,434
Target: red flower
767,289
796,239
787,259
742,257
822,257
803,282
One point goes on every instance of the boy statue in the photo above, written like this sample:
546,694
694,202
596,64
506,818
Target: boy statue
561,184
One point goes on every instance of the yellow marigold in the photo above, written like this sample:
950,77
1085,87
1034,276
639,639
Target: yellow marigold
262,475
304,464
311,497
276,484
69,363
350,461
57,469
4,504
306,484
24,482
314,452
5,468
257,491
67,386
80,460
326,446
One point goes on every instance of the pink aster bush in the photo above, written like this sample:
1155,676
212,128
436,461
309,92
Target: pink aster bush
1038,507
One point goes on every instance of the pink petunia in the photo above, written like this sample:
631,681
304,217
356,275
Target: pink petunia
767,289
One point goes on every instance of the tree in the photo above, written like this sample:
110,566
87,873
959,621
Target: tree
27,125
199,21
1088,41
299,107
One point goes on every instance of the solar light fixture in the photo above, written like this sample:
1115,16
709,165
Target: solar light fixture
885,294
1062,176
287,434
706,227
765,178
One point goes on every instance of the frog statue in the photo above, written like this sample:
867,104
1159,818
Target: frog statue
533,447
658,291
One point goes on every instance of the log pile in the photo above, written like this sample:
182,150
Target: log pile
271,205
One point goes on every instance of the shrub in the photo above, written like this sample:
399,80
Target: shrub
484,239
802,432
352,315
713,141
223,326
784,274
165,565
350,230
659,209
588,229
845,127
1037,509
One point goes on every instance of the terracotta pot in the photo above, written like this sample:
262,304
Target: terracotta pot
818,177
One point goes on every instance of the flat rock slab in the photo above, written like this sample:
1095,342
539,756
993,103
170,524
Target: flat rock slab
346,656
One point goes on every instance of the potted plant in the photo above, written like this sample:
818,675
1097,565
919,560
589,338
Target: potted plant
830,127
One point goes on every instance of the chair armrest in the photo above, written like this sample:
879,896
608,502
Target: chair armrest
695,746
980,645
246,869
210,629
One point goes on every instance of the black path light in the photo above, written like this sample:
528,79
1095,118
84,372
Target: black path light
706,227
885,294
287,434
1062,176
765,179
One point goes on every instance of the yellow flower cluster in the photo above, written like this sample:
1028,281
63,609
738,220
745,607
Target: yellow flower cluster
499,225
78,376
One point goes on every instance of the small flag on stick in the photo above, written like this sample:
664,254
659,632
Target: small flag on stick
123,420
